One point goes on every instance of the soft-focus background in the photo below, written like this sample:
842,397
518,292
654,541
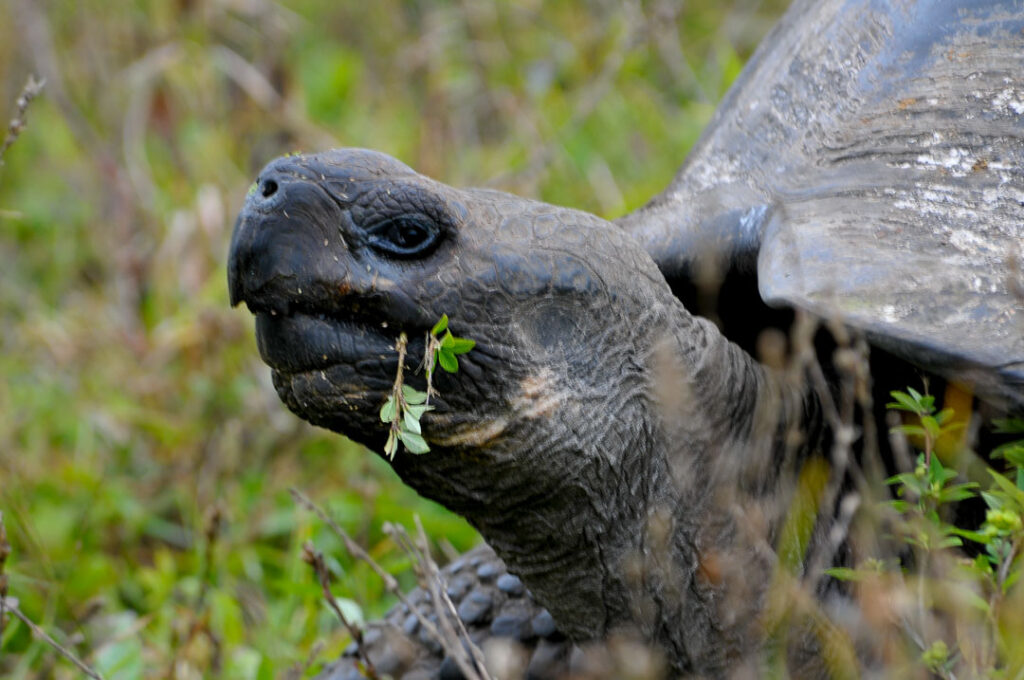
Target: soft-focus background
145,460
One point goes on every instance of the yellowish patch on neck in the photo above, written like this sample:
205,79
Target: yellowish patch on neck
478,436
539,396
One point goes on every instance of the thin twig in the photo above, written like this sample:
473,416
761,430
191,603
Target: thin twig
432,345
214,519
350,545
31,90
5,551
315,559
840,419
441,596
398,396
42,634
354,549
472,666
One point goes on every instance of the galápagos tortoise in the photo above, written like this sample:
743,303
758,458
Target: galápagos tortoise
624,459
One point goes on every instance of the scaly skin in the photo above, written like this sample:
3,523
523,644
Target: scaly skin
603,440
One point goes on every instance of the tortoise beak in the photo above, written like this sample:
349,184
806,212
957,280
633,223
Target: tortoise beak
283,244
236,287
264,205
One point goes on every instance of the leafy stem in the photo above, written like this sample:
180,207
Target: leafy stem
931,424
442,351
406,405
403,410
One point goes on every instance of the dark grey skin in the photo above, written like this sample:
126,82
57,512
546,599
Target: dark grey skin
621,456
563,436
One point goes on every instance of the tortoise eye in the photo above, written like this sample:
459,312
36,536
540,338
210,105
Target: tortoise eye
406,236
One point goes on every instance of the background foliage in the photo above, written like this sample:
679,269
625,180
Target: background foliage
144,458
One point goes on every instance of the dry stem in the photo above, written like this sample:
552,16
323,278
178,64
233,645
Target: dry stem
10,605
390,583
315,559
42,634
31,90
5,550
472,666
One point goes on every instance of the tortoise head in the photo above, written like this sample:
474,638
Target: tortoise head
546,433
337,253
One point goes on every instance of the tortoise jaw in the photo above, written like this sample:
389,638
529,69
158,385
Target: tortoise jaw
300,341
333,372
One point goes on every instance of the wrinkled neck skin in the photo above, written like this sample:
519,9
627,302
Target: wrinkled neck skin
659,498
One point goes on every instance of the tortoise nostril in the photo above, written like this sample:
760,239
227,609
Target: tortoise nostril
269,188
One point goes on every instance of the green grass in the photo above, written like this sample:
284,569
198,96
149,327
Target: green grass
133,405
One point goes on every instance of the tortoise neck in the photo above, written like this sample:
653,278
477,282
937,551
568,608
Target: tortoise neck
623,514
755,416
733,435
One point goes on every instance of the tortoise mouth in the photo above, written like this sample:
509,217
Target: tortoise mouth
333,371
304,341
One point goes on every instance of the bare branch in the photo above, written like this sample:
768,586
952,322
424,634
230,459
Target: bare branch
351,546
357,552
315,559
33,88
457,643
38,632
439,596
5,551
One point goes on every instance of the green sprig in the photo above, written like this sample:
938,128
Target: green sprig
406,405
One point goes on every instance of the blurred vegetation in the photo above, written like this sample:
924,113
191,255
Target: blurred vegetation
144,457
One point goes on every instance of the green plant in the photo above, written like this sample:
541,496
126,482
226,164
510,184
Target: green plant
406,405
998,568
442,351
931,424
923,492
965,618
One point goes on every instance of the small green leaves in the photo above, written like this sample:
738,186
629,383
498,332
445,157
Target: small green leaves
923,507
404,413
442,351
447,347
929,485
912,401
930,425
406,405
447,361
414,443
388,410
936,658
411,423
1009,425
457,345
403,410
844,574
405,428
1013,451
411,395
441,326
418,411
